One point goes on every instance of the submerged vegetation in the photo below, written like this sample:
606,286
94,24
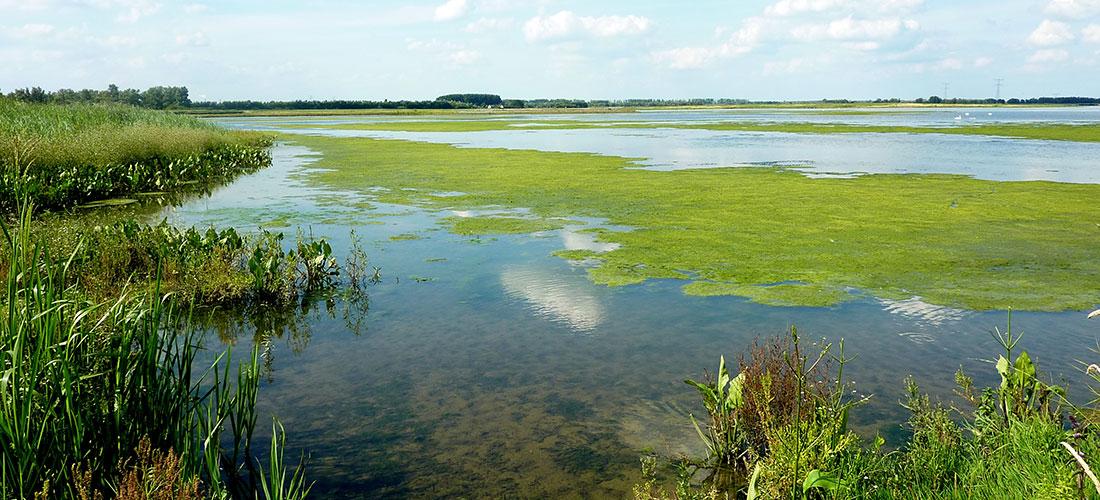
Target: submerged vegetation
778,429
58,156
772,235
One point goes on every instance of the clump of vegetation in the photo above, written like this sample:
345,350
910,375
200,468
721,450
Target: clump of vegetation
203,267
63,155
778,429
99,398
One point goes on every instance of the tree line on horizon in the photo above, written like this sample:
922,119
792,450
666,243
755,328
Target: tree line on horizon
177,97
158,97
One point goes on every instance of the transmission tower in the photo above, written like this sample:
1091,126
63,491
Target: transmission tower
997,82
946,86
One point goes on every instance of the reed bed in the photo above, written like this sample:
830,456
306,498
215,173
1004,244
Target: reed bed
64,155
98,399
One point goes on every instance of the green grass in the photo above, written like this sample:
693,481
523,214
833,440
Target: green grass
772,235
1046,131
73,154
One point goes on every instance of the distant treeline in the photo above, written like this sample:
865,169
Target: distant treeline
1034,100
177,98
313,104
153,97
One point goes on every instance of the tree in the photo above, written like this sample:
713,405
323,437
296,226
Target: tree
473,99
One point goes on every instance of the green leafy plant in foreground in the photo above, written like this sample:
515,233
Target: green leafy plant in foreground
1013,442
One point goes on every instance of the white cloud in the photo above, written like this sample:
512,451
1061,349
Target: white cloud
1091,33
450,10
982,62
195,8
463,57
33,30
565,24
795,65
685,57
487,24
742,41
1050,33
950,63
1074,9
788,8
23,4
794,7
863,46
855,29
432,45
1048,56
196,39
118,41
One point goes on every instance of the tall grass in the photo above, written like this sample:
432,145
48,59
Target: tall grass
99,399
61,155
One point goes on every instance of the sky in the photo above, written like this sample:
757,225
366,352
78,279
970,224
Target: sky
760,50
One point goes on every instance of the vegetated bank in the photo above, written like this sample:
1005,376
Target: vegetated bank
101,395
58,156
776,426
772,235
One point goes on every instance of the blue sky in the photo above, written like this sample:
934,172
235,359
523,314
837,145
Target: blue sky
773,49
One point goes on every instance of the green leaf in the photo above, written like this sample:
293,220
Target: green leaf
752,494
1003,369
735,397
1024,367
824,480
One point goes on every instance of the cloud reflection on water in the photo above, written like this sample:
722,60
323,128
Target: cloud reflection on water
561,297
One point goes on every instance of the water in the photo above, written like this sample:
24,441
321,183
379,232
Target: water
983,157
504,372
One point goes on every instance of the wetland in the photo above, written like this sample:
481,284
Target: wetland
547,289
507,304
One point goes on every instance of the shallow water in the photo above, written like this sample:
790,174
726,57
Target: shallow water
983,157
503,371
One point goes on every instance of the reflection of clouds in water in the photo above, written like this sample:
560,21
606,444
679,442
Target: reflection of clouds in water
922,312
561,297
919,310
918,337
574,240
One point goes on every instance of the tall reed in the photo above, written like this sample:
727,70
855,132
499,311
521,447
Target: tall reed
83,385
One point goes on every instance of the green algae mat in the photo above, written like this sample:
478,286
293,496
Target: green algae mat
772,235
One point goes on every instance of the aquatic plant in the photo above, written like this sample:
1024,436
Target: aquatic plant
722,397
319,269
1011,443
99,398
